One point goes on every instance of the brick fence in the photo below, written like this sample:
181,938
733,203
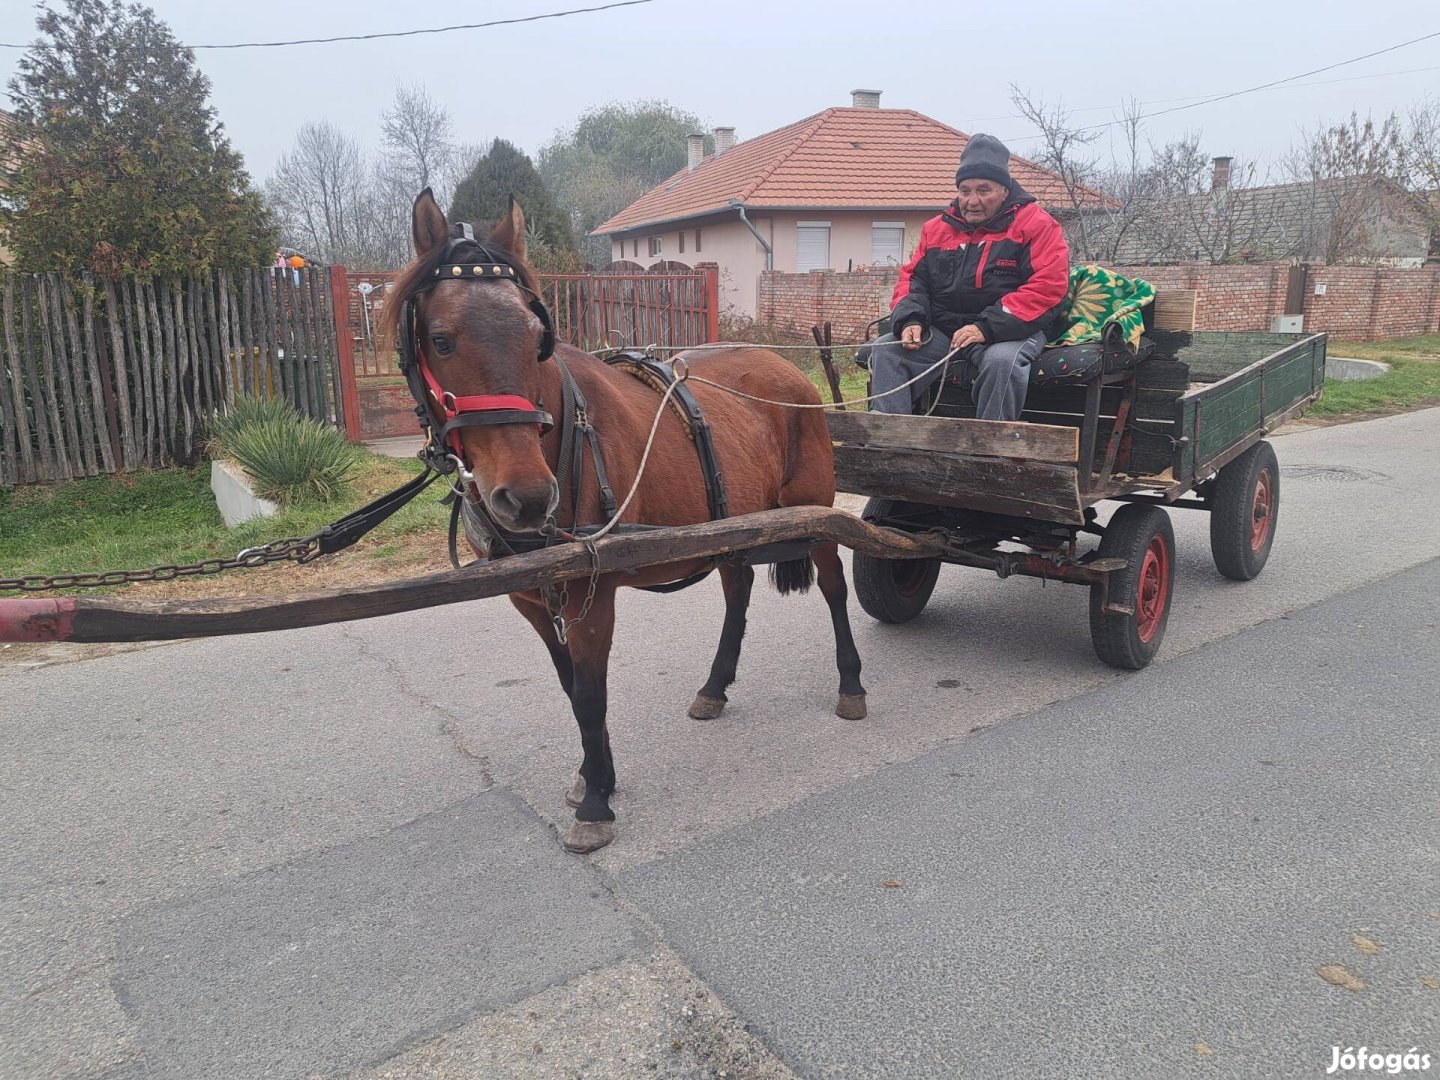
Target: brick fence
1360,303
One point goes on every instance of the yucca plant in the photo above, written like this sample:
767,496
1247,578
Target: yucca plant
247,412
293,460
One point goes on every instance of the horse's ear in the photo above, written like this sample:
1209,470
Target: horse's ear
509,231
428,226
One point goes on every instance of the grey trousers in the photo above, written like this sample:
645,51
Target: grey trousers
1002,374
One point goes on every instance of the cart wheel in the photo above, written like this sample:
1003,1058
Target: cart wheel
1244,510
892,590
1144,538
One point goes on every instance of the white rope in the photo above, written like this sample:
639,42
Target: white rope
685,376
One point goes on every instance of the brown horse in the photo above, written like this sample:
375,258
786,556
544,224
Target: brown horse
480,340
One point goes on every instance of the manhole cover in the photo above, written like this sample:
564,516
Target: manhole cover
1334,474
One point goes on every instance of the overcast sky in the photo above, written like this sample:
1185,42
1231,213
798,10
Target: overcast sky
759,64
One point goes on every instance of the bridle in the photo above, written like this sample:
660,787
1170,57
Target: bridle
443,414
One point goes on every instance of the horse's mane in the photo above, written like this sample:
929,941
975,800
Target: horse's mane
419,275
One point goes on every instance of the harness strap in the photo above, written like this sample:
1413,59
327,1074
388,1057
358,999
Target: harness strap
648,369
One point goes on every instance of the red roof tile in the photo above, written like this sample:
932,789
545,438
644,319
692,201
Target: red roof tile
838,158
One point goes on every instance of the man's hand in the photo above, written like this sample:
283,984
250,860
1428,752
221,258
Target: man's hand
966,336
911,335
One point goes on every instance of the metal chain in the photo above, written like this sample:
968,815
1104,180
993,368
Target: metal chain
555,603
294,549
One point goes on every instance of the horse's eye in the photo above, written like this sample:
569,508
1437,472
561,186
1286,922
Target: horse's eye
443,345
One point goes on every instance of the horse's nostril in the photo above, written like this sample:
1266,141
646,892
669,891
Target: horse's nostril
505,502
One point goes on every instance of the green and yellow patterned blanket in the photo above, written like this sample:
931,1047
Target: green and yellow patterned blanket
1099,299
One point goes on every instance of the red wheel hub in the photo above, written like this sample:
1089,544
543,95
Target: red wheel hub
1154,592
1263,510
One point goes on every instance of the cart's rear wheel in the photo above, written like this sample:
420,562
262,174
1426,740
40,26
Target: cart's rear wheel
1144,538
892,590
1244,510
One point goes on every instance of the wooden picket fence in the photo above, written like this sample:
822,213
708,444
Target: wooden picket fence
100,376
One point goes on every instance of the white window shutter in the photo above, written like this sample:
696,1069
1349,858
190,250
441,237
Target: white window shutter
812,246
887,243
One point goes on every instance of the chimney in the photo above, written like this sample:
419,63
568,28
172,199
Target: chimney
694,150
1220,178
865,99
724,139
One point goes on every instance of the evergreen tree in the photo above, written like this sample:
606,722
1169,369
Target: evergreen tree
613,155
484,197
119,164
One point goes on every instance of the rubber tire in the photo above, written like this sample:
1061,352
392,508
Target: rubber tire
1128,536
892,590
1232,506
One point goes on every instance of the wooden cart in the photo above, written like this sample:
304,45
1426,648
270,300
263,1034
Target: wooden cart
1185,428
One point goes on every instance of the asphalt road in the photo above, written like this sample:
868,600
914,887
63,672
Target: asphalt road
333,852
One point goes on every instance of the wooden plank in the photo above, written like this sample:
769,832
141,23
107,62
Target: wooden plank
69,618
62,377
268,285
1175,309
9,286
120,365
185,372
112,449
1037,490
10,471
65,440
89,385
983,438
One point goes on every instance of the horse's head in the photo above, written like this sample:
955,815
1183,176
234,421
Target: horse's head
467,315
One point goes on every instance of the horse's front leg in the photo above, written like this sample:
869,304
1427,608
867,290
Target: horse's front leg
533,608
589,645
737,580
830,572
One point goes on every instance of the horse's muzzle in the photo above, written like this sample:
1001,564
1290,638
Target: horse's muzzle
523,507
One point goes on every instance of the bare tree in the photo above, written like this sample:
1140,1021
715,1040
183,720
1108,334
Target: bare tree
1064,151
324,195
1202,213
1422,164
418,142
1354,171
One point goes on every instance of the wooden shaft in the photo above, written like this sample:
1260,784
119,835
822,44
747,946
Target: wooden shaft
87,619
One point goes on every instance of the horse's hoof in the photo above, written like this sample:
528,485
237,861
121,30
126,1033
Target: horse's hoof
589,836
576,795
706,708
851,707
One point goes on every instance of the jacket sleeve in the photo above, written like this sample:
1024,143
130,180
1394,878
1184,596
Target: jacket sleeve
1034,305
910,303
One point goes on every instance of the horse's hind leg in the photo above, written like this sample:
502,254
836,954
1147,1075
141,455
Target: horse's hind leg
830,572
736,579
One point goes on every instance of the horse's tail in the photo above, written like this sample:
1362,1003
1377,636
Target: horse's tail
795,575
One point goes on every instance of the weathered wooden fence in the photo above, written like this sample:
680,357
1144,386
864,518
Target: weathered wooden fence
101,376
673,308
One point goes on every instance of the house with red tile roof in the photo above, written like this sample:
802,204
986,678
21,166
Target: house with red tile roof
843,189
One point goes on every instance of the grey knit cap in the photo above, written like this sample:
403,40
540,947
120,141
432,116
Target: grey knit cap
984,158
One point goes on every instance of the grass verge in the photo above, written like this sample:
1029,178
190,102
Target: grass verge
168,516
1412,382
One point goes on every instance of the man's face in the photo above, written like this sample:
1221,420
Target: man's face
979,200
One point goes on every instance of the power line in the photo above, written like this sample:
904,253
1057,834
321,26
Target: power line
402,33
1198,97
1262,86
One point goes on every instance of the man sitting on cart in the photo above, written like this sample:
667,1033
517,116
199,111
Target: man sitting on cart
989,277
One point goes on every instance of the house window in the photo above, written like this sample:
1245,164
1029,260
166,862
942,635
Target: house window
635,248
812,245
887,243
656,247
681,236
697,240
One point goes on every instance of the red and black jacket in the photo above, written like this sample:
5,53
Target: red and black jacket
1008,276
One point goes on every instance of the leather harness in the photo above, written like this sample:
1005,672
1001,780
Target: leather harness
442,415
